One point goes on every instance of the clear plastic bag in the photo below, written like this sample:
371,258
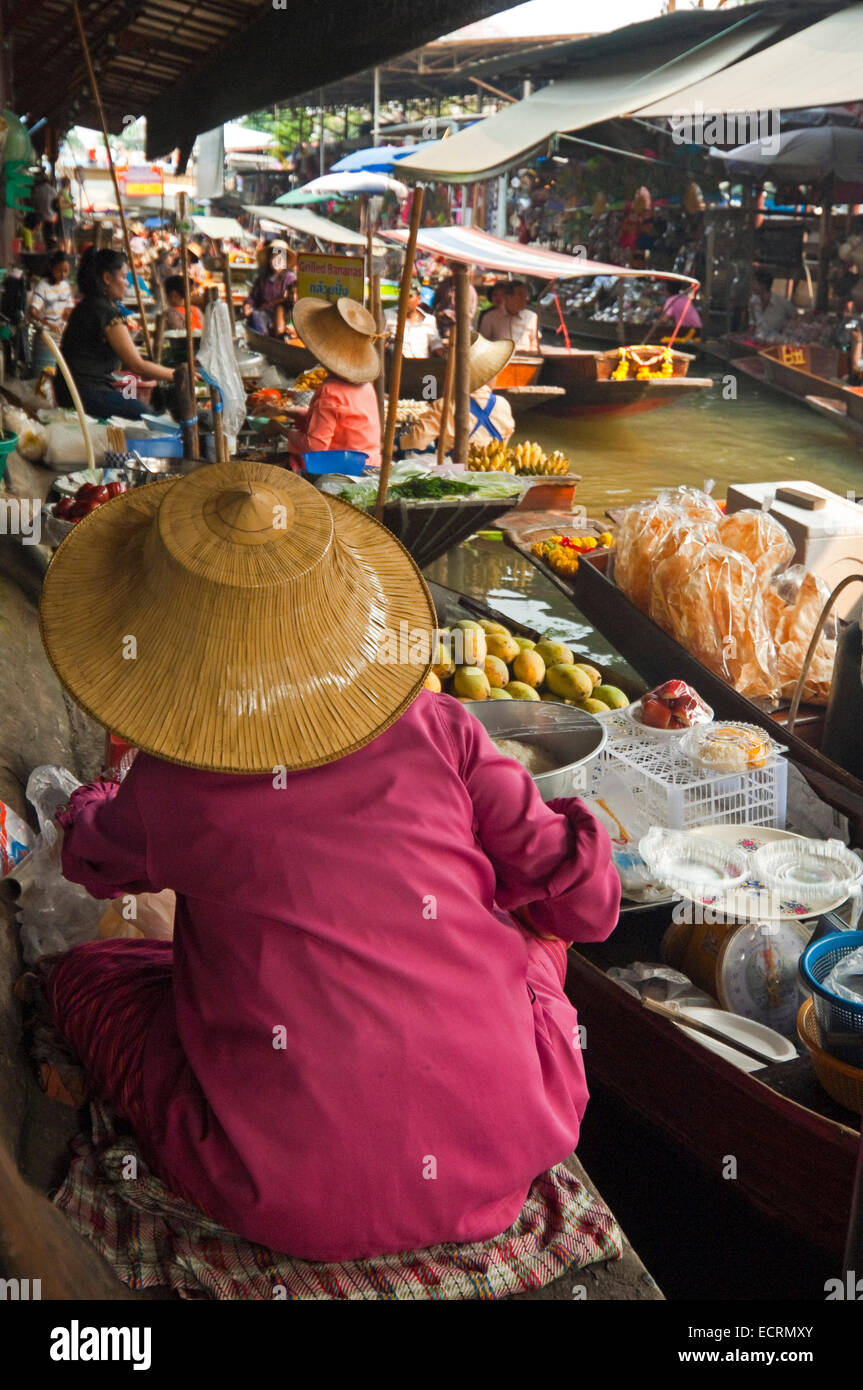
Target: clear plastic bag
53,914
672,565
217,357
149,915
650,532
761,538
793,605
846,977
720,618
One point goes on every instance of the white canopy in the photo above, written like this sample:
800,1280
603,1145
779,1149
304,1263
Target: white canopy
609,88
819,66
220,227
473,247
310,224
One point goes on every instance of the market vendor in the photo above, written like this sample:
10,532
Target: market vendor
365,986
51,304
769,313
421,336
96,342
274,289
491,416
343,413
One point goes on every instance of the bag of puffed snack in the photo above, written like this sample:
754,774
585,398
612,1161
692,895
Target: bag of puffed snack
793,604
720,619
761,538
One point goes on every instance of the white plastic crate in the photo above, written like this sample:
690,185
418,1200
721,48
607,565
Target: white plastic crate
677,794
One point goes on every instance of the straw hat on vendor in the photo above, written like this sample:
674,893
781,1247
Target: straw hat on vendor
491,418
255,606
345,990
343,413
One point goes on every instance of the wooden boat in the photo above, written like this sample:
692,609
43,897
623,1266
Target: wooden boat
657,656
805,369
591,389
796,1149
847,413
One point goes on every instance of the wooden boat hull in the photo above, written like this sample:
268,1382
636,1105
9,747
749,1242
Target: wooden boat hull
805,369
792,1162
840,414
592,391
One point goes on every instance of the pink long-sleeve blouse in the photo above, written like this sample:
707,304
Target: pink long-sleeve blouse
357,1058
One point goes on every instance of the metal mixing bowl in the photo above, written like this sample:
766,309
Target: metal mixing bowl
570,736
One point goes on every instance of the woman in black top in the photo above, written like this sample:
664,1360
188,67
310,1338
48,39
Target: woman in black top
96,342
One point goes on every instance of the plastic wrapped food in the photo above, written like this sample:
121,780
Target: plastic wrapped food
672,565
721,620
793,605
719,747
761,538
691,502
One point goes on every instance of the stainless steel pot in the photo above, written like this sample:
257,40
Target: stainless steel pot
570,736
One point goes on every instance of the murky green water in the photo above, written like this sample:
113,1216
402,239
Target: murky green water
757,437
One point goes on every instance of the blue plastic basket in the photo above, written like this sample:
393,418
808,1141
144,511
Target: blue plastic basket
350,461
158,446
833,1015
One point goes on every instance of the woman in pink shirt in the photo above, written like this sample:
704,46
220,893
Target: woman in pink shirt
358,1041
344,410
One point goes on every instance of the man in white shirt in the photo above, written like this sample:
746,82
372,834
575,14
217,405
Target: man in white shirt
422,338
769,313
514,320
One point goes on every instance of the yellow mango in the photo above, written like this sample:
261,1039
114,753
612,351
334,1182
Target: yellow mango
519,691
529,667
554,653
590,671
471,683
506,648
497,672
431,682
568,681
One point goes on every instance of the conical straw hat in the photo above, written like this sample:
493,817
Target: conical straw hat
341,335
237,620
487,359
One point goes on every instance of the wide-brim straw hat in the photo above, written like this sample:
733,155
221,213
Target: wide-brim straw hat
237,620
487,359
341,335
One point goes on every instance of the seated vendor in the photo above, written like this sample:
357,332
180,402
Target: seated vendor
274,289
491,415
96,342
175,298
344,410
358,1041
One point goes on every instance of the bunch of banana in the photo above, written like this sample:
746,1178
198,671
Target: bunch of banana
493,457
529,458
310,380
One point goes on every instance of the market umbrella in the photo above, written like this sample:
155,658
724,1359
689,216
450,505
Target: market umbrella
344,186
377,159
802,155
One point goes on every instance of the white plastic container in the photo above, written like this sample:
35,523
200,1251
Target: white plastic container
828,541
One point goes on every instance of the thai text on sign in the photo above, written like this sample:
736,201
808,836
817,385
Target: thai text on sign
330,277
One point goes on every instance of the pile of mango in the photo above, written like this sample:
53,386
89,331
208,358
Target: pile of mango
485,661
526,459
311,379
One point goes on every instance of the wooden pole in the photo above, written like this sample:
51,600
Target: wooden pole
190,336
378,315
186,393
159,334
396,367
229,294
369,244
462,364
448,381
824,235
94,88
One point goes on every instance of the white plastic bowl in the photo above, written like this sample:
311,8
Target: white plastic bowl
633,713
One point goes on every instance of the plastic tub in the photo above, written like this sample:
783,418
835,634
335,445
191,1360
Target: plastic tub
694,866
814,871
833,1015
349,461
